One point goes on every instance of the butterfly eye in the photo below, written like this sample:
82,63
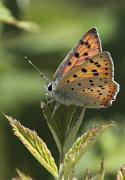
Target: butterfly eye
50,87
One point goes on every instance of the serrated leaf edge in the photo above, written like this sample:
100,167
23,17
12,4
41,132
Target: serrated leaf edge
81,144
51,167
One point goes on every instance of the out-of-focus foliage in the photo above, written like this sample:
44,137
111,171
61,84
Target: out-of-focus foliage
61,24
6,17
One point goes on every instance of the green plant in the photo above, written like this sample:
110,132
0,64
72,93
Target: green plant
7,17
67,121
64,127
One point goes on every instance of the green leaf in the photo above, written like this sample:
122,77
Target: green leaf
27,25
81,145
121,173
6,17
35,145
72,129
5,14
64,125
22,176
101,173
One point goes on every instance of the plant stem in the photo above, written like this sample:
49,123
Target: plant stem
61,166
60,177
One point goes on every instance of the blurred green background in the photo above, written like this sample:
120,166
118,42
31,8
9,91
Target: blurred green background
61,23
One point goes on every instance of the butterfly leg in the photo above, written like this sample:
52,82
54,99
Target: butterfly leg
48,101
55,109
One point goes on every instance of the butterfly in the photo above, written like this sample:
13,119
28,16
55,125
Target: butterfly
86,75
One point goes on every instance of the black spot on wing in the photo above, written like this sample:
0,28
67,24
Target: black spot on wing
91,61
85,54
81,42
76,54
75,76
79,84
94,70
84,70
69,63
96,74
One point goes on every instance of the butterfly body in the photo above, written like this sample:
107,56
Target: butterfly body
62,97
85,77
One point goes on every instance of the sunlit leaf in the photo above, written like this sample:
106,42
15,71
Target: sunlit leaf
6,17
81,145
26,25
35,145
87,176
99,175
5,14
22,176
121,173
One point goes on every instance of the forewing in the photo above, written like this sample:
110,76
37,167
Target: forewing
88,46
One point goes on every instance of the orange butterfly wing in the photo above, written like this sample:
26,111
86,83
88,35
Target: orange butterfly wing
88,46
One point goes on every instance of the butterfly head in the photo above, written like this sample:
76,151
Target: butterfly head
50,89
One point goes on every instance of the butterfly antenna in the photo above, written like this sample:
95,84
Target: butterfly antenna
41,74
